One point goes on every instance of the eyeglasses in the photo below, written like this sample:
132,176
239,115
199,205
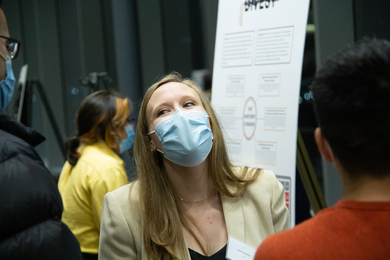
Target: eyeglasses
12,47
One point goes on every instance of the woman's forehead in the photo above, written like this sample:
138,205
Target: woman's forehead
171,91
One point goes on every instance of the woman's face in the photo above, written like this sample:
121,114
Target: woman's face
165,100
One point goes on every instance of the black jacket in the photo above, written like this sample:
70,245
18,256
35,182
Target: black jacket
30,203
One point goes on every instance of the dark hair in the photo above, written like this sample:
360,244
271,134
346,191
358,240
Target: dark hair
98,114
351,95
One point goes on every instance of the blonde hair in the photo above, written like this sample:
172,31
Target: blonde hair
163,216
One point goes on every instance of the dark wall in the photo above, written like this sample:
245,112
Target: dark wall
372,19
135,42
176,35
62,42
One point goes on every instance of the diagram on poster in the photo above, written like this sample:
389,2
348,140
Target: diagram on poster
256,82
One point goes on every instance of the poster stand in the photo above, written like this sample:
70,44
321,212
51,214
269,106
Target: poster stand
26,116
309,179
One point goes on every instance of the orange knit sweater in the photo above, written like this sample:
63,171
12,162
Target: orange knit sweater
349,230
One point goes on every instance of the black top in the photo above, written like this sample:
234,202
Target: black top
30,204
220,255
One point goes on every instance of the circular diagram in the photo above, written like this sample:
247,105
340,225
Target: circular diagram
250,118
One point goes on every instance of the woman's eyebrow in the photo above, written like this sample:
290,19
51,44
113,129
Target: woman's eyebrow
190,96
168,103
157,107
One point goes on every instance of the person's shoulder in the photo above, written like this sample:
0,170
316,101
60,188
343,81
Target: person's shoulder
22,167
261,183
92,153
132,187
12,145
127,201
307,231
259,178
100,161
34,241
264,191
284,244
262,179
127,194
250,172
278,246
17,130
20,159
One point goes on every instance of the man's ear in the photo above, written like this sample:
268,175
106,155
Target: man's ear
323,145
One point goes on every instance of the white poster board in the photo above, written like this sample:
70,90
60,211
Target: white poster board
256,82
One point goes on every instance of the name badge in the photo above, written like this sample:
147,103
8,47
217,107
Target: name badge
236,250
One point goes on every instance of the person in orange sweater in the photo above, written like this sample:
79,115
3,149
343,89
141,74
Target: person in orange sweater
351,99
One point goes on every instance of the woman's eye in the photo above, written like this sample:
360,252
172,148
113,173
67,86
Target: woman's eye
162,112
189,104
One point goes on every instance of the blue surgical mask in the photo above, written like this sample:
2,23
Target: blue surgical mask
7,85
185,137
126,144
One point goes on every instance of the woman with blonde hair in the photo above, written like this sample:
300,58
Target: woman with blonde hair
93,166
189,198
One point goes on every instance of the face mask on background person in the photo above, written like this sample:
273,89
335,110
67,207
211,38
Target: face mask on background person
185,137
126,144
7,85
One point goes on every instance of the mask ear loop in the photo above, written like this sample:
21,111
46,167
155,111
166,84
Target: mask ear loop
156,148
212,137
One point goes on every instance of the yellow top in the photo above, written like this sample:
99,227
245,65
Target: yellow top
99,170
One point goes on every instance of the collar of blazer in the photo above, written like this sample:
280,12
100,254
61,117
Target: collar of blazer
234,216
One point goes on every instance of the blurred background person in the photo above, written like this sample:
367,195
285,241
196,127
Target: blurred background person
93,166
30,204
189,198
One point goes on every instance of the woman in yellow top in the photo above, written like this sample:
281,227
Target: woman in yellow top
93,166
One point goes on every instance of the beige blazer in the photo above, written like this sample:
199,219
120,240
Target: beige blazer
259,212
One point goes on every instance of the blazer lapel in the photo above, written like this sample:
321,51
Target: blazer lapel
234,217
